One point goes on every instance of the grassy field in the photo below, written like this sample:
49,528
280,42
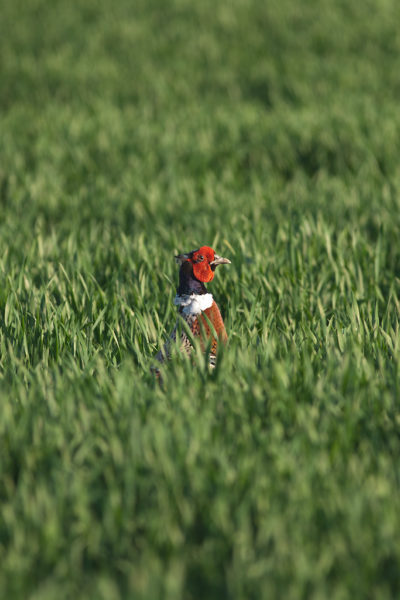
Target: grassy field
130,130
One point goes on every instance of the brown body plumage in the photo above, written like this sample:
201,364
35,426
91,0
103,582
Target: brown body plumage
196,306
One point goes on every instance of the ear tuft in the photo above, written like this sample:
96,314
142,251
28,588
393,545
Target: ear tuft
180,258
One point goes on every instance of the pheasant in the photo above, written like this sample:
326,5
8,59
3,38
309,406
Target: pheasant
196,306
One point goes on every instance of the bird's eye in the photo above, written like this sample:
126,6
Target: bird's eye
200,258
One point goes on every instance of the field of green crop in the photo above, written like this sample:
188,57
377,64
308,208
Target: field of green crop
135,129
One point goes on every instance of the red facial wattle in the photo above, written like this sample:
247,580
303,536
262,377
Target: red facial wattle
201,264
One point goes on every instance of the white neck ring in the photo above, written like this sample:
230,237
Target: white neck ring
193,304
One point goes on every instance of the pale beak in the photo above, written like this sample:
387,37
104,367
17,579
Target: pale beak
219,260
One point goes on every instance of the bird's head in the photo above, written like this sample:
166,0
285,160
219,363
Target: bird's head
203,262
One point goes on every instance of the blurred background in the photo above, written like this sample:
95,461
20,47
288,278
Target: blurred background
158,116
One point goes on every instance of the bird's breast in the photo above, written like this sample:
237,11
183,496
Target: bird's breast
207,324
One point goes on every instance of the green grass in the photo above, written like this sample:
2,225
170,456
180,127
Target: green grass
133,130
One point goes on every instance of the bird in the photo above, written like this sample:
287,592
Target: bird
196,306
